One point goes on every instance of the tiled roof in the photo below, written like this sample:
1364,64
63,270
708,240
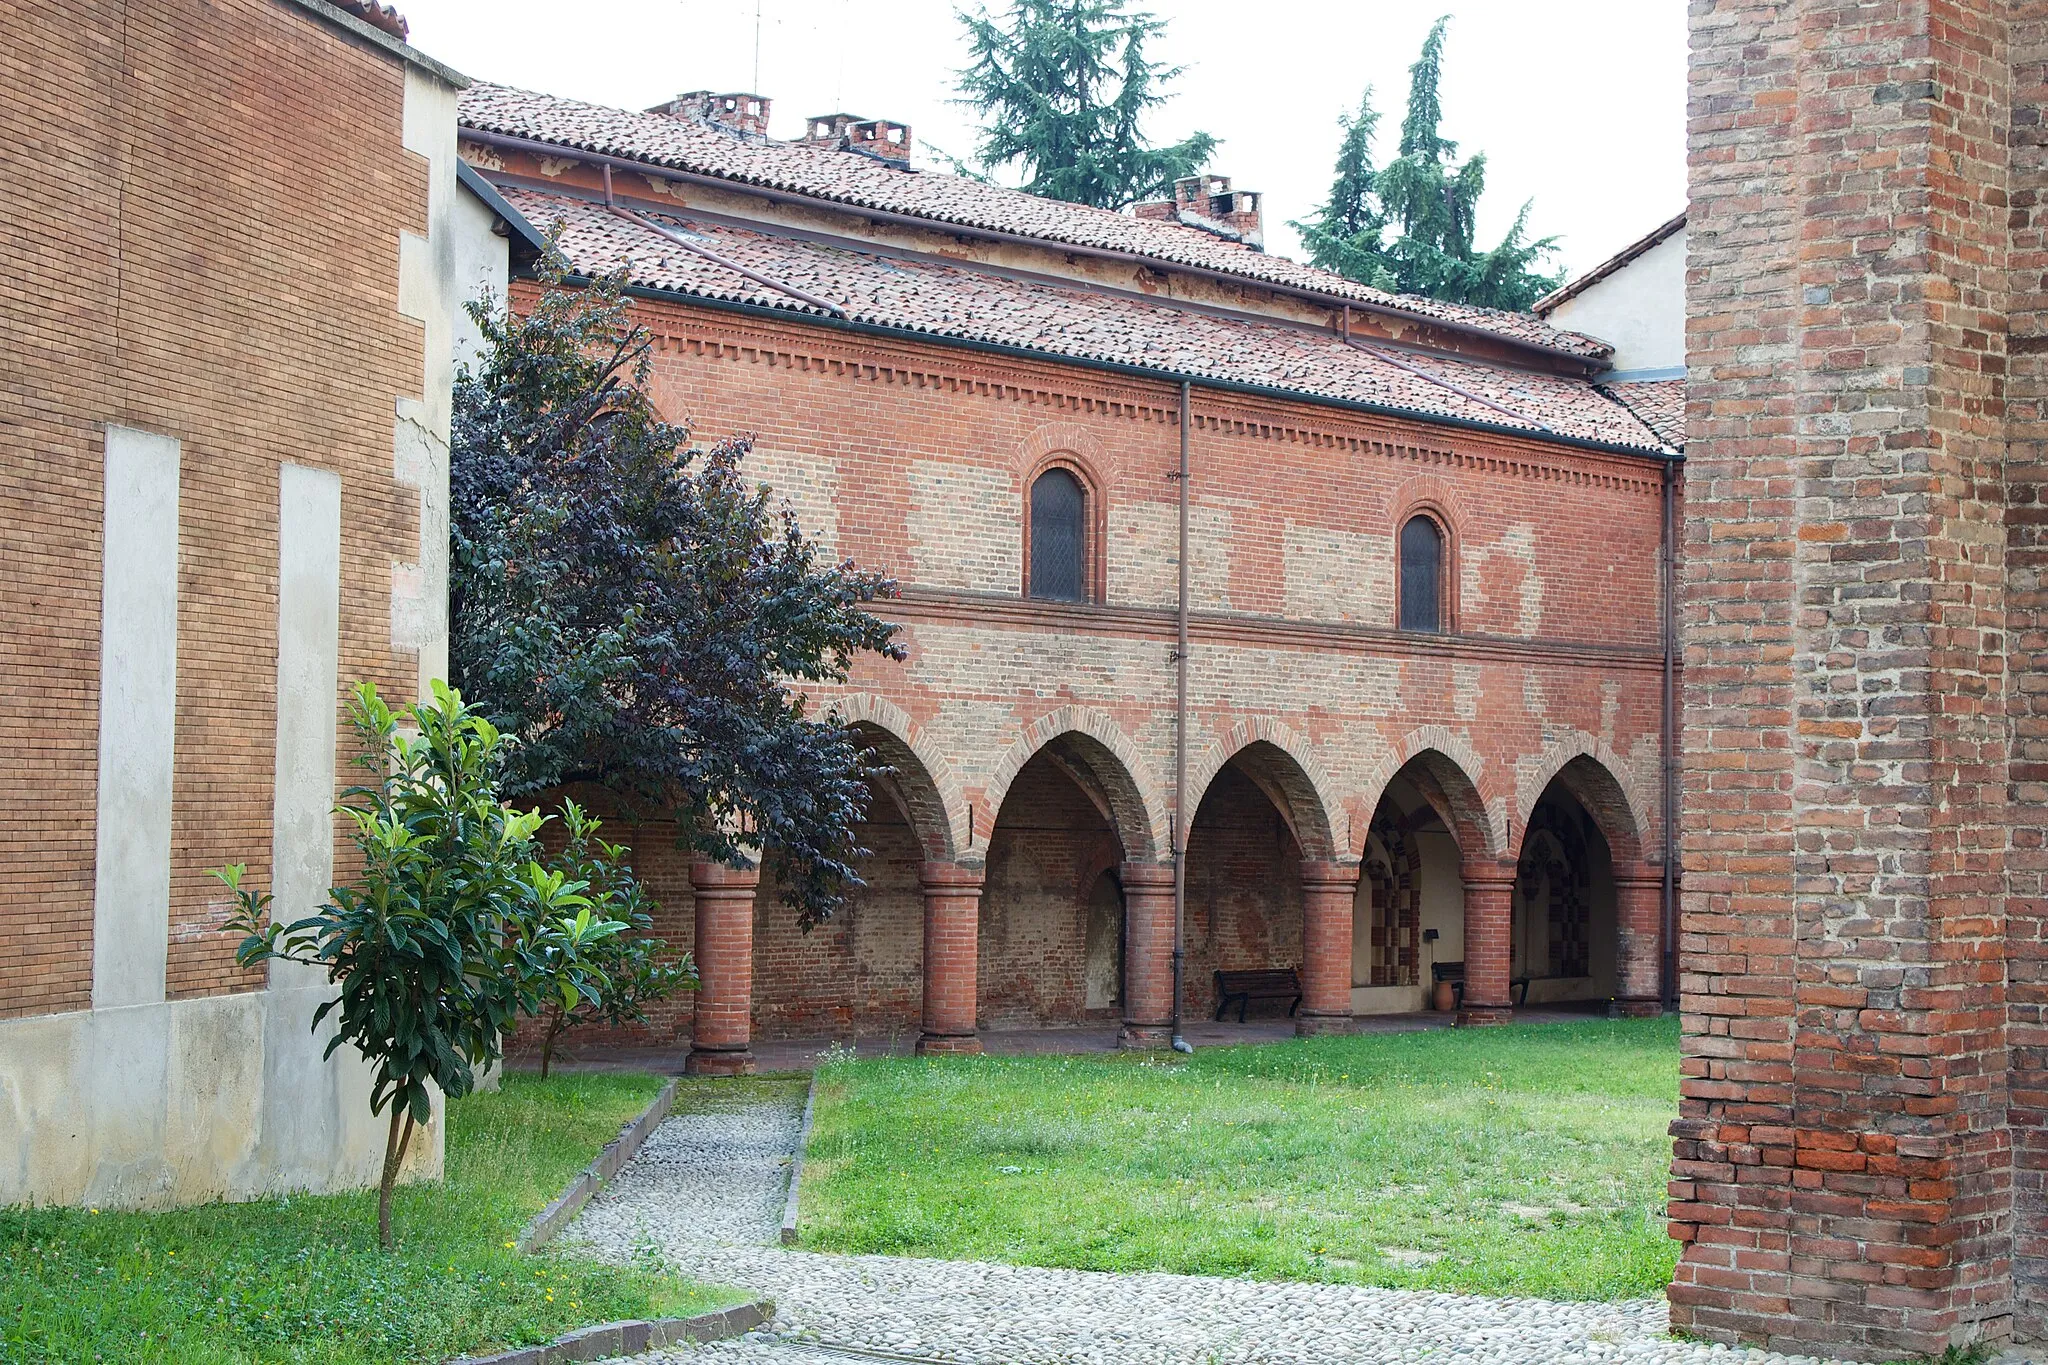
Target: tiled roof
942,298
701,148
1659,402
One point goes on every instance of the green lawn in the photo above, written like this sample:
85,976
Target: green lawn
1520,1160
302,1279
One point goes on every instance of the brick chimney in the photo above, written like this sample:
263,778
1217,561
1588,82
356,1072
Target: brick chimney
740,112
828,130
880,138
1207,202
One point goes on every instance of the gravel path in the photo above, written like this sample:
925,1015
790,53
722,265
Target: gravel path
706,1194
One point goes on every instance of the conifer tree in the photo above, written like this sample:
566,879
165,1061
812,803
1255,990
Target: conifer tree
1063,87
1430,203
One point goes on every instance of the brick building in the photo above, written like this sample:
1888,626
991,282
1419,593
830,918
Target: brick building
1425,662
1861,1163
234,236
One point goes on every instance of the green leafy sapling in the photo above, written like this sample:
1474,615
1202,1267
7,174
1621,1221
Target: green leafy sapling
602,965
423,948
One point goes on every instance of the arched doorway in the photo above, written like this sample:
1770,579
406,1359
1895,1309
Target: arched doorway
1587,907
1409,924
1054,935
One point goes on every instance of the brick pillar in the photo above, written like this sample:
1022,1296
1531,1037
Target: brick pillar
1489,924
1638,917
723,1026
952,939
1843,1179
1328,891
1148,955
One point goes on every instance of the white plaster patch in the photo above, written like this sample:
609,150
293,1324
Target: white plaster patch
1338,575
966,527
809,484
1144,555
131,913
308,695
1465,691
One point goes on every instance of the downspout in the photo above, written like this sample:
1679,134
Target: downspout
1668,972
1180,739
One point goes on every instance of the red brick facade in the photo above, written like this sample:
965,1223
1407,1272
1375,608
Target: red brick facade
1022,854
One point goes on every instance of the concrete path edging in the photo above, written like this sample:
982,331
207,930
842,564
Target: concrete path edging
552,1219
796,1165
609,1339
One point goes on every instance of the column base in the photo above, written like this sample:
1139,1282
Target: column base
1314,1024
1485,1016
1145,1037
702,1062
1638,1009
948,1045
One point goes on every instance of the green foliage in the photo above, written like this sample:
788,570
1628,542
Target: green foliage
1429,201
1063,87
427,975
455,926
635,613
1527,1160
301,1279
603,965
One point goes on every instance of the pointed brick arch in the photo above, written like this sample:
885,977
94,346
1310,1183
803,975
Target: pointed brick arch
1597,779
1138,807
1452,777
1288,771
921,777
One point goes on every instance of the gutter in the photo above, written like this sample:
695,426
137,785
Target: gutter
855,327
1590,364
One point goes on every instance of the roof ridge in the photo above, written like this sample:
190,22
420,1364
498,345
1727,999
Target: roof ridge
963,203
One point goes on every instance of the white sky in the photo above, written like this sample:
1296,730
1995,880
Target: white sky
1578,104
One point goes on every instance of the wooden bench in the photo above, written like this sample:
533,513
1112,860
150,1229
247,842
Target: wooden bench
1282,983
1454,972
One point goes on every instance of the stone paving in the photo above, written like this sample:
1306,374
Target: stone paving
706,1195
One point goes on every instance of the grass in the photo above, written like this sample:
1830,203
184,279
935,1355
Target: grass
302,1280
1527,1160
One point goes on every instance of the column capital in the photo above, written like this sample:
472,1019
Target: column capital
706,875
1639,879
1488,873
1326,875
958,878
1146,876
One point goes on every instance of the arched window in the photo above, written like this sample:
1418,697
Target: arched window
1059,537
1422,575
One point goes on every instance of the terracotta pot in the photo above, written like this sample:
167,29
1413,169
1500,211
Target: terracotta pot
1446,996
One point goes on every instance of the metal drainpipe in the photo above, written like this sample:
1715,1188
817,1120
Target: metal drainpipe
1669,567
1180,739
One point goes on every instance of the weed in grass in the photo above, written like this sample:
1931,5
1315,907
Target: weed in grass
1523,1160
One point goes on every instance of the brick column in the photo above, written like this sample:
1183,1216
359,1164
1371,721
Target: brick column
1328,891
952,940
723,1027
1148,955
1489,923
1638,960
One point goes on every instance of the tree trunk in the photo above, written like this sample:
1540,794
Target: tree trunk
395,1143
547,1042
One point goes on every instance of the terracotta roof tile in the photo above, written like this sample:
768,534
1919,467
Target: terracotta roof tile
923,294
1659,402
702,148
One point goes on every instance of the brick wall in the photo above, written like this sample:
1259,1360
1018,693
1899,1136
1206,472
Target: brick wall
203,238
1842,1168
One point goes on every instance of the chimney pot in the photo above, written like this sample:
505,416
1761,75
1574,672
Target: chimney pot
743,113
880,137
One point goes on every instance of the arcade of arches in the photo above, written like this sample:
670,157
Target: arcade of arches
1065,915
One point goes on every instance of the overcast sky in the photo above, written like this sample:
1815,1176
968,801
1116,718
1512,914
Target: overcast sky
1578,104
